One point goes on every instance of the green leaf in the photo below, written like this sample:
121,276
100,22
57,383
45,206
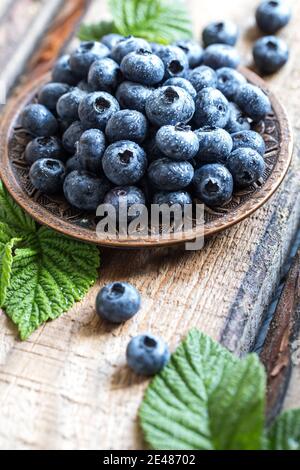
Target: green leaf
162,21
47,277
6,261
13,216
205,399
94,32
285,432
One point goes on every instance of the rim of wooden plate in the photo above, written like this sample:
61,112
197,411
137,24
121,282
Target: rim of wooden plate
212,227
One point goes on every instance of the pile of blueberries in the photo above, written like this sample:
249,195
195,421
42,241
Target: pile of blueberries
126,119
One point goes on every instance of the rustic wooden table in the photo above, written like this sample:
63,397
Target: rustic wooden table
68,386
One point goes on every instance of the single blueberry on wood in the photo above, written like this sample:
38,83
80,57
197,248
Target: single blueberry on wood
270,54
147,354
118,302
220,32
272,15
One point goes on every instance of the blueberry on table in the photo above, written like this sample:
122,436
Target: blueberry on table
220,32
47,175
172,198
237,120
72,135
147,354
118,302
175,61
182,83
63,73
213,184
37,120
84,190
193,51
104,75
214,145
202,77
50,93
111,40
127,124
125,196
249,139
246,166
270,54
170,175
272,15
229,81
132,95
124,163
44,147
212,108
86,53
96,109
217,56
253,102
143,67
90,150
127,45
169,105
68,104
177,142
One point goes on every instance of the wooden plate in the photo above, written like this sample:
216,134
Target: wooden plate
59,215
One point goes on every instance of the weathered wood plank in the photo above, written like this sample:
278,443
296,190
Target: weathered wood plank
68,387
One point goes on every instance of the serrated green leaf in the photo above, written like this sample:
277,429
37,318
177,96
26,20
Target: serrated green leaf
6,261
13,216
47,277
94,32
205,399
285,432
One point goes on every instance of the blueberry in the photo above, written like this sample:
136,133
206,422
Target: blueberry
177,142
84,86
213,184
118,302
222,32
37,120
229,81
246,166
217,56
272,15
127,124
249,139
214,145
84,190
147,354
72,135
182,83
270,54
169,175
47,175
68,104
104,75
202,77
169,105
125,196
253,102
111,40
193,51
50,93
73,163
172,197
175,61
237,120
86,53
63,73
96,109
90,149
143,67
44,147
132,95
212,108
124,162
127,45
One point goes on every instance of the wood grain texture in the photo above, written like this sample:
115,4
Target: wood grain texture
68,386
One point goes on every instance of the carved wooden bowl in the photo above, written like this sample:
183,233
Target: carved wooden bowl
56,213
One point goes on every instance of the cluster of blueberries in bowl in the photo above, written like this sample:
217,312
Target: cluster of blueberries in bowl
123,118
